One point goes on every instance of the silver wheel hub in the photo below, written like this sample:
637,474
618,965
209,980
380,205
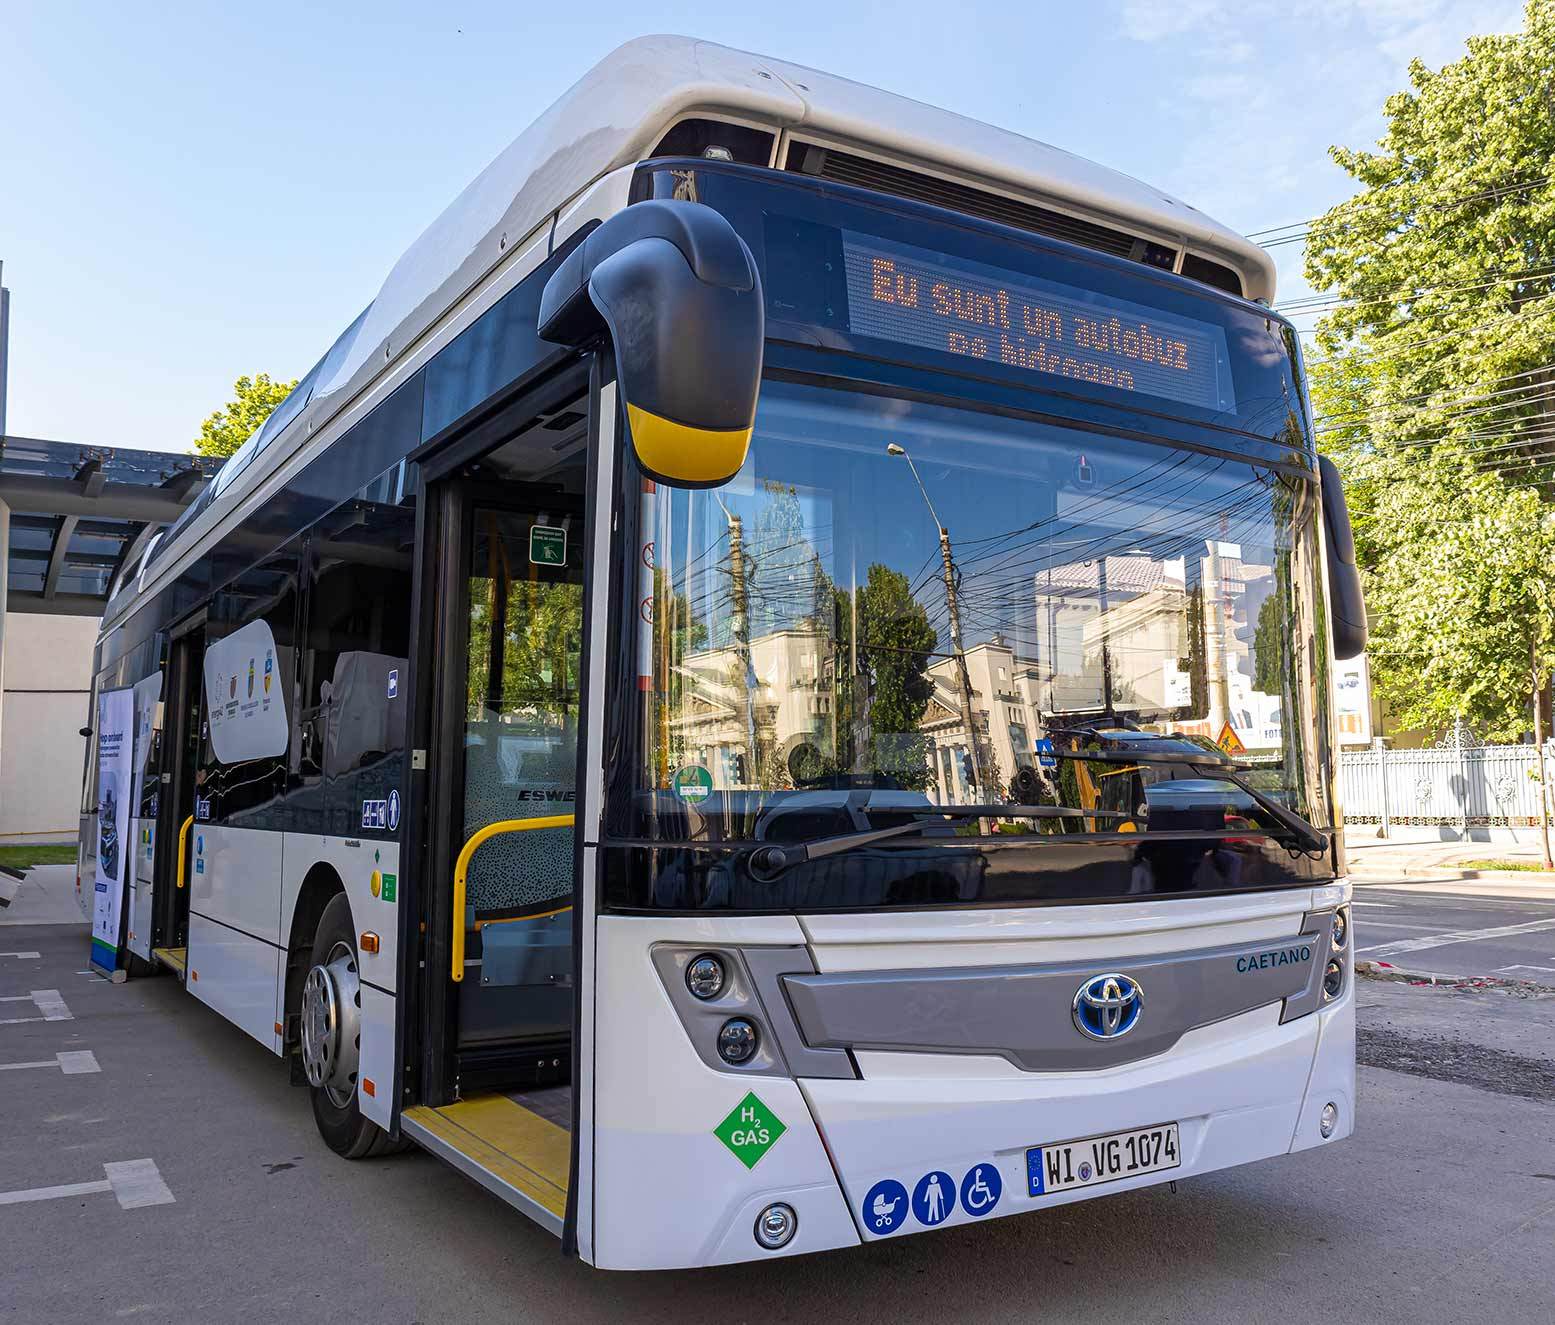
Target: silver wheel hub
332,1024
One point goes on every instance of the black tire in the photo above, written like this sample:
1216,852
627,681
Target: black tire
344,1129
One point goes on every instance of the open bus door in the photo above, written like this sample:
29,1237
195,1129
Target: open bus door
173,812
500,709
510,681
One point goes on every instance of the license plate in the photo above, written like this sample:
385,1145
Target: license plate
1097,1159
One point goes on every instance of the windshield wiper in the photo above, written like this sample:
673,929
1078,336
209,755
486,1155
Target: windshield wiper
1201,759
767,862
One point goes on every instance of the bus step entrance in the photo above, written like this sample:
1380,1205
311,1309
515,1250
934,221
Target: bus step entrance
175,959
515,1145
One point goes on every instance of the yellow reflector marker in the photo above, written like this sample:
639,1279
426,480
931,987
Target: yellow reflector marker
677,452
376,883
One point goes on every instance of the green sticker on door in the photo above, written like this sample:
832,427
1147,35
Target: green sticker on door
547,546
750,1130
693,784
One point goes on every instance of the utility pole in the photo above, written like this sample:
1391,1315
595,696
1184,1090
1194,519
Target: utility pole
964,676
740,621
953,608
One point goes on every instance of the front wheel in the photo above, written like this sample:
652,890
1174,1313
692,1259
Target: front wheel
332,1038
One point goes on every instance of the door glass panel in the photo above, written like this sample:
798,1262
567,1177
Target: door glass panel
525,622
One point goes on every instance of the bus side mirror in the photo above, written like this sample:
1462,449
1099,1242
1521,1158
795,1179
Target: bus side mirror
676,292
1346,606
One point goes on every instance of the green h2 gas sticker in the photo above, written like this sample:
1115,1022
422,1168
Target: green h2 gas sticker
750,1130
693,784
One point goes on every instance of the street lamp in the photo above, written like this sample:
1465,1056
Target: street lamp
954,610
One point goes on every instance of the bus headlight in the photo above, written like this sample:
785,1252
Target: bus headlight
1333,979
737,1041
1341,929
705,976
776,1226
1326,1121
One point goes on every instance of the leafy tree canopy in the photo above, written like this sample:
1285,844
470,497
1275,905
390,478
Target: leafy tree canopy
253,400
1433,377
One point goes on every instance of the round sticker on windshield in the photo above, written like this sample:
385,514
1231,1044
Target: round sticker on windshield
693,784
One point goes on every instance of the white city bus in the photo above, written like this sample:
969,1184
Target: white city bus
708,708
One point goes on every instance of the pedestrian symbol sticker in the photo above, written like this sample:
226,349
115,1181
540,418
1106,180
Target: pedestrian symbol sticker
981,1189
885,1206
750,1130
934,1198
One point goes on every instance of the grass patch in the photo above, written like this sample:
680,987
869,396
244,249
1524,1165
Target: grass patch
1532,866
24,858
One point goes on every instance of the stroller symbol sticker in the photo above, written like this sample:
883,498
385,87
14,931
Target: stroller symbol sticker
885,1206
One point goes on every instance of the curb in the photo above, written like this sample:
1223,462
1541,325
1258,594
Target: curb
1376,970
1437,871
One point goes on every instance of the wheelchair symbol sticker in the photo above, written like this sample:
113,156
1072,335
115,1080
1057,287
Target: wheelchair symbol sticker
934,1198
981,1189
885,1206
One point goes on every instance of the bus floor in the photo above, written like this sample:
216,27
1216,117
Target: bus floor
515,1143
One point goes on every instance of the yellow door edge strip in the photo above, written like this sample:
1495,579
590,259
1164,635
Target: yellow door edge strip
462,871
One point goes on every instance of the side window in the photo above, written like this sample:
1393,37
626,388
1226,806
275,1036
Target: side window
355,670
248,675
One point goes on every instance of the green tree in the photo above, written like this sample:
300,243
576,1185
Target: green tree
253,401
881,708
1432,377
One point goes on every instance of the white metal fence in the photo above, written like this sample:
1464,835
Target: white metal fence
1459,783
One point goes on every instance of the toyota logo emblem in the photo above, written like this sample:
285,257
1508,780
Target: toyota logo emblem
1108,1006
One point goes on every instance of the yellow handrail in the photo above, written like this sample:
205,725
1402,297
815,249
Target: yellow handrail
183,847
462,870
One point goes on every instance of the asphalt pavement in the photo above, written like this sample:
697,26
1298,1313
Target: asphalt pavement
1469,928
182,1180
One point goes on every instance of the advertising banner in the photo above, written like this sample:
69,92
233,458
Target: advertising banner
115,741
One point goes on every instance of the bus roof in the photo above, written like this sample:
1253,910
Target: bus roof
614,116
615,113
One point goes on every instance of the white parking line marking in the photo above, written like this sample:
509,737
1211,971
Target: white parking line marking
1457,936
1383,906
1524,966
24,956
1398,924
72,1062
47,1001
134,1182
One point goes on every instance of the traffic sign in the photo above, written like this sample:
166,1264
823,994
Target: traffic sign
1230,742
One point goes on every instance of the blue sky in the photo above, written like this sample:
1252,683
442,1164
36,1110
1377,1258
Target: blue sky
190,192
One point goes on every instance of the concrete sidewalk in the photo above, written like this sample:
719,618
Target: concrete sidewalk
47,896
1399,858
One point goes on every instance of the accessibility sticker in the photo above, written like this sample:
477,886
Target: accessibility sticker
981,1189
885,1206
934,1198
750,1130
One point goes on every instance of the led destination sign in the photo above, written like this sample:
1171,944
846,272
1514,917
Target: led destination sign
917,297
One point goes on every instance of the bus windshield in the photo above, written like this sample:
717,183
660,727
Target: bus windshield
815,635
